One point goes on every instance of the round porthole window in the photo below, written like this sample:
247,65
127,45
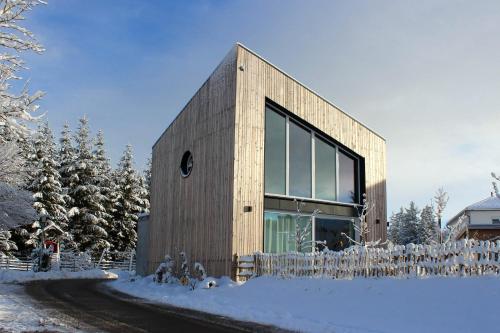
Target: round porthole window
186,164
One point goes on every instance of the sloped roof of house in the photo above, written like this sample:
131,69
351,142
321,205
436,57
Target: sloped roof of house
233,51
490,203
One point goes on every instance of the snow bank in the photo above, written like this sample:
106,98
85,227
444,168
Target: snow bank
341,306
13,276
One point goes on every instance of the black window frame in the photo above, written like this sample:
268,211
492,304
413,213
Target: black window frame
359,165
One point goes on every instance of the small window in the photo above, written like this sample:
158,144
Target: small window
495,220
186,164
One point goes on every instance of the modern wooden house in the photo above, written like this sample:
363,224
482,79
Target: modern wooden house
252,139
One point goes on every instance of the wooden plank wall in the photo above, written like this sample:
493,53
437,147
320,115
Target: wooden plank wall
258,79
194,214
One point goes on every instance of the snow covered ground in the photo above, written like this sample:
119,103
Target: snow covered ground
341,306
13,276
17,311
19,314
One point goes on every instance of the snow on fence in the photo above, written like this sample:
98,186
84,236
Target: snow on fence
461,258
121,260
13,263
75,261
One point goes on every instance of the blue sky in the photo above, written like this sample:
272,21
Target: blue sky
423,74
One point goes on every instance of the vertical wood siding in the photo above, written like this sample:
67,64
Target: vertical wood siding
194,214
223,126
259,80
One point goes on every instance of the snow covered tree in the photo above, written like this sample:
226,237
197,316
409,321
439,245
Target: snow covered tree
104,176
409,226
396,221
16,108
147,178
16,210
440,201
66,158
88,217
48,196
130,199
495,186
13,167
362,227
428,229
6,244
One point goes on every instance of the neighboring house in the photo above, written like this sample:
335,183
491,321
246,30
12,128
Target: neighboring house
481,220
226,171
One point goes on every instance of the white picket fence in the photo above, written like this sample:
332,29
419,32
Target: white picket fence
466,257
75,261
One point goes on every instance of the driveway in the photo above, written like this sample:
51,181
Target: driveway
90,306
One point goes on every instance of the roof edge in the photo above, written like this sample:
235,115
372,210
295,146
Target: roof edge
306,87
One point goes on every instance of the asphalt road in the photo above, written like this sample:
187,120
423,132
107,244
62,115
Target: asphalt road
90,306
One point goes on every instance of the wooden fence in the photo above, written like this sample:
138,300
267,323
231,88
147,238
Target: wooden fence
466,257
75,261
15,263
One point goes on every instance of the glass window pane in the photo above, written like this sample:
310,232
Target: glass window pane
299,161
280,231
330,230
275,153
325,172
347,192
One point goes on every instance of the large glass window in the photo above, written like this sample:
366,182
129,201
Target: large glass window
289,167
300,161
331,231
275,153
280,231
347,180
325,170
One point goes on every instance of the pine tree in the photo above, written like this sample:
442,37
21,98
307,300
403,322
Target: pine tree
428,229
409,226
147,178
49,200
66,157
104,177
396,221
89,219
130,200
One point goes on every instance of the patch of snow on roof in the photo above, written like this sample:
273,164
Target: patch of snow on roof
492,202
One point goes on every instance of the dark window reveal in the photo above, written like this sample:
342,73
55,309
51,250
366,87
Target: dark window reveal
186,164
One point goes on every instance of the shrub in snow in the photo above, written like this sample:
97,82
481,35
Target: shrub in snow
163,273
184,273
42,259
199,271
